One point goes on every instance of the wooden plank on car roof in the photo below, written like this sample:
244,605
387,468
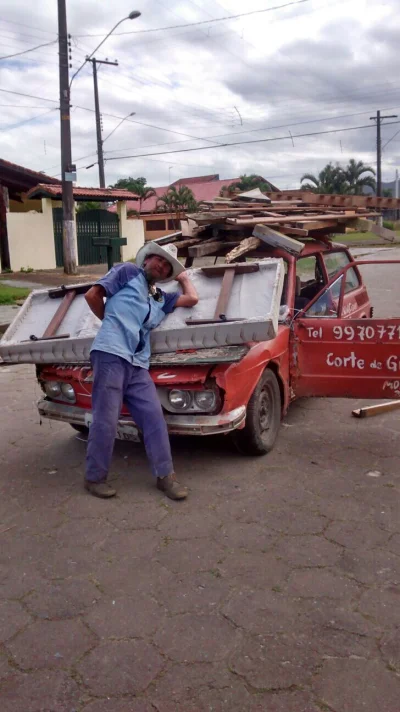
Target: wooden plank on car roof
277,239
247,245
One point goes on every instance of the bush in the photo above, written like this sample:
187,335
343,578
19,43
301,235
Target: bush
388,224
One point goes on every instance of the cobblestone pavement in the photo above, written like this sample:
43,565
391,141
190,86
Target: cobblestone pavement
275,587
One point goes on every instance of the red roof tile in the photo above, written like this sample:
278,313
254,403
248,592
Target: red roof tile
196,179
7,165
103,194
201,191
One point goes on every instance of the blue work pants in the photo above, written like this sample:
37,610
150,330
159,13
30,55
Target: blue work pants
115,382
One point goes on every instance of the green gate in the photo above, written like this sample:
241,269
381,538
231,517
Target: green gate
89,224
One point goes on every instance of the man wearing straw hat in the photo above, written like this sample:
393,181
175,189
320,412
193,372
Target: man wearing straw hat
120,357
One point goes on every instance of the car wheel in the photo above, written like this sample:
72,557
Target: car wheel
263,418
80,428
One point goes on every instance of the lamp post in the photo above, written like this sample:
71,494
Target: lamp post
132,16
67,167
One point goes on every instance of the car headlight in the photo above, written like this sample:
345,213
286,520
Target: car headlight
52,389
181,400
205,400
67,391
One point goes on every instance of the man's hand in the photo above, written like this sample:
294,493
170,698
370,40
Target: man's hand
189,298
182,277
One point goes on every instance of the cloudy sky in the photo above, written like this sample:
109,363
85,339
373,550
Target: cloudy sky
315,66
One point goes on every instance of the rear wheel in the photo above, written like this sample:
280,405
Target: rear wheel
263,418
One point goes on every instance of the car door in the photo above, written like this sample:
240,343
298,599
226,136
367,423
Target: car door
355,299
334,356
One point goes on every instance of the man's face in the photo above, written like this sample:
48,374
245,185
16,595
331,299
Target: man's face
156,268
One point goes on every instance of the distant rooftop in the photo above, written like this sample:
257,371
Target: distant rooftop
98,194
203,188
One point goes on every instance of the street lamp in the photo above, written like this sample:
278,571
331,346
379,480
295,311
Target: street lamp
132,16
118,125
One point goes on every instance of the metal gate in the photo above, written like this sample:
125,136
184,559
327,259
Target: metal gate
89,224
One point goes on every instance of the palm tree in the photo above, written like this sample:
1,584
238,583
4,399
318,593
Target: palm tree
248,183
177,200
356,179
138,186
332,179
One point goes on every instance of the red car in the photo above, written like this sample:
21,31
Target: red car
327,344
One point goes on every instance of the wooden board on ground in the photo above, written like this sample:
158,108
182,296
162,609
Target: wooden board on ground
277,239
370,410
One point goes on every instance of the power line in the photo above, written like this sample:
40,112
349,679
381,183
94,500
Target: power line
205,22
265,128
391,139
30,96
27,121
30,27
32,49
242,143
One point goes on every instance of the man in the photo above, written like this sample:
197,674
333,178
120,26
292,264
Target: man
120,358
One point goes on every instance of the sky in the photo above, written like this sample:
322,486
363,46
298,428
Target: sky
266,78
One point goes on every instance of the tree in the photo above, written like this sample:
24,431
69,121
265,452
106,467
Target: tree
178,201
387,193
248,183
89,205
356,178
331,179
335,179
138,186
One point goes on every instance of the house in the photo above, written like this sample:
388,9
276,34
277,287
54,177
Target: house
15,182
157,223
31,227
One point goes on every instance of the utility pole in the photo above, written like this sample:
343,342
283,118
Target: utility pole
67,169
378,118
100,155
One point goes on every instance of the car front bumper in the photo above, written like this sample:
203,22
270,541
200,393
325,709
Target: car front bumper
177,424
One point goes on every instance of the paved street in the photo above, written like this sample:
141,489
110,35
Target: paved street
275,587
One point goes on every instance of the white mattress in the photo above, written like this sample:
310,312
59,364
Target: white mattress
255,301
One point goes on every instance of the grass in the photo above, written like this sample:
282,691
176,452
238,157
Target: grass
9,295
363,238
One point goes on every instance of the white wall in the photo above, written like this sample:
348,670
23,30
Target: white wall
31,239
133,230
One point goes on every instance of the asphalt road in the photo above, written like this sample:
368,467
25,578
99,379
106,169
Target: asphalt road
275,587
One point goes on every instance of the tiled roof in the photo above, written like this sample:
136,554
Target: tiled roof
196,179
21,170
100,194
201,191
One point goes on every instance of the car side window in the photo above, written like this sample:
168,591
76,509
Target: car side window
327,303
334,262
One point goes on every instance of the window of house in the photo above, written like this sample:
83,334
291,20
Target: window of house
153,225
172,224
334,262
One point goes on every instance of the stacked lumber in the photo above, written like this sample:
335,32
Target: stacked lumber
249,224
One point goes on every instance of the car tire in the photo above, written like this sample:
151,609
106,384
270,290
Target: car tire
80,428
263,418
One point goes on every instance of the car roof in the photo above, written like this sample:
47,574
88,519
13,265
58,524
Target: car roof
314,246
